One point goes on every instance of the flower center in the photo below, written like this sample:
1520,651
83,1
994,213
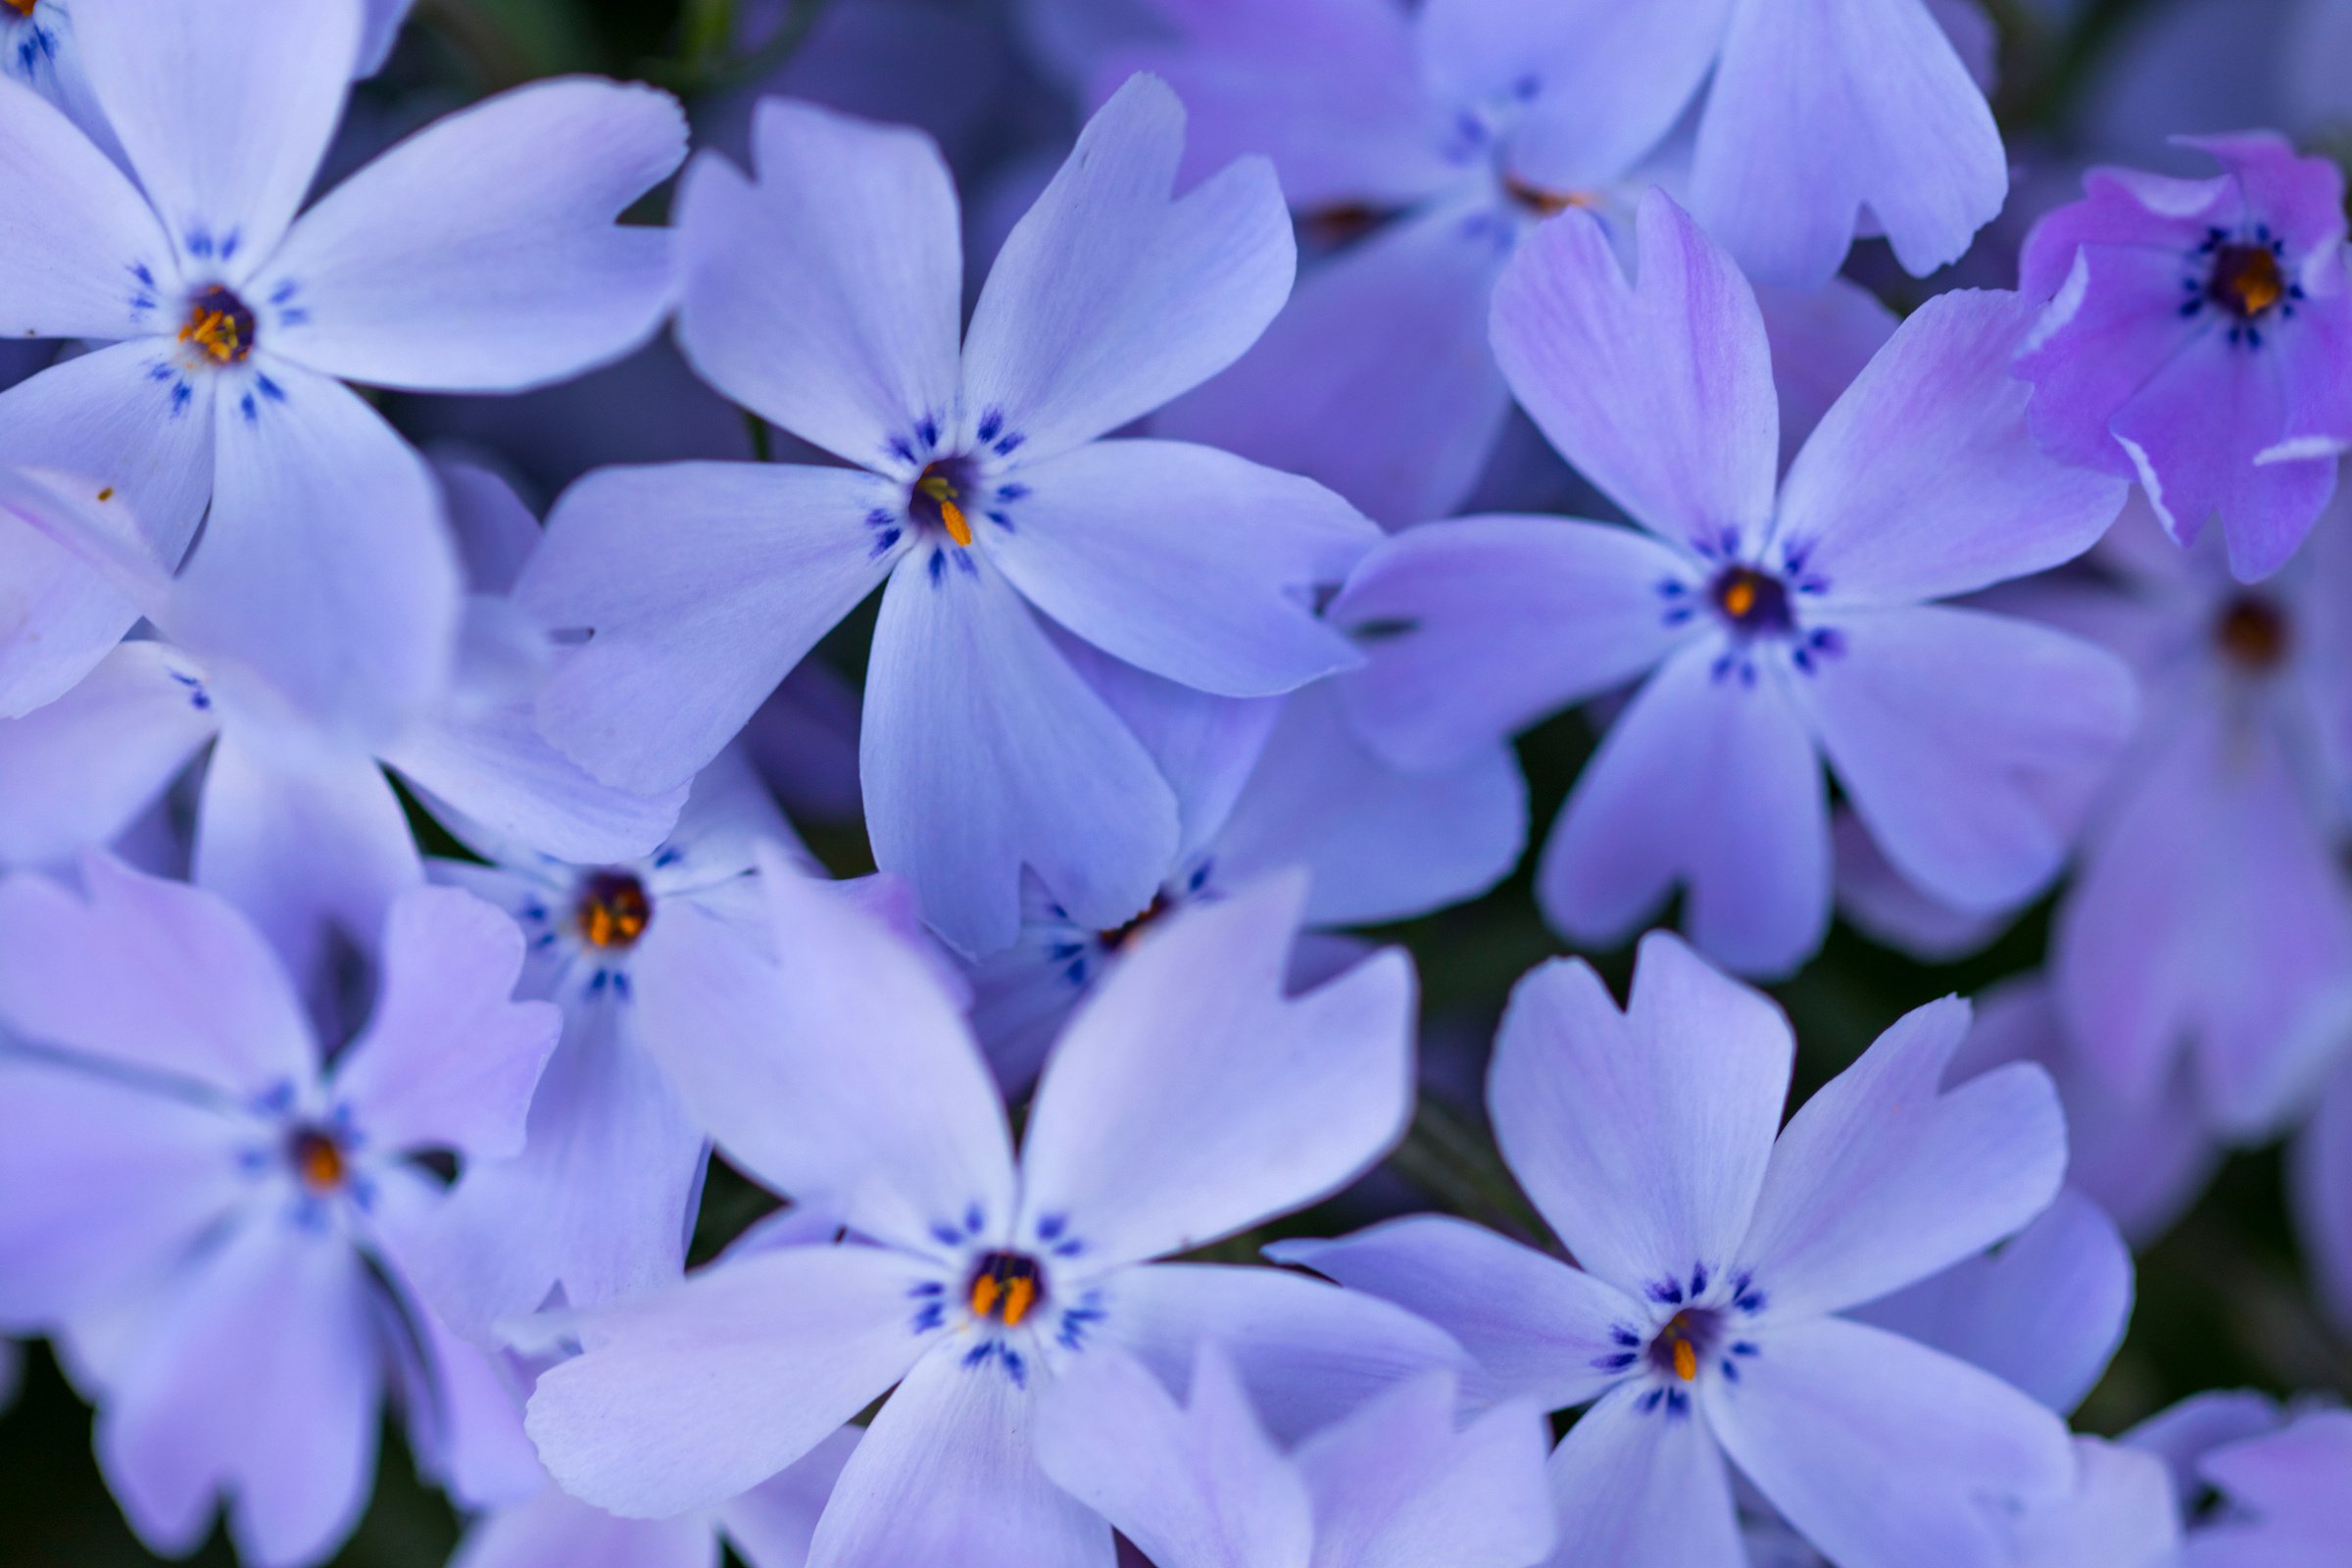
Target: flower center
317,1159
2252,634
937,500
1684,1342
1753,602
24,8
614,910
2246,280
218,323
1007,1287
1119,935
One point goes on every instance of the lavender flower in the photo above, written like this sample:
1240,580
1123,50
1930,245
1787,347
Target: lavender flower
825,296
480,255
1710,1316
1187,1100
180,1157
2198,336
1767,630
2284,1499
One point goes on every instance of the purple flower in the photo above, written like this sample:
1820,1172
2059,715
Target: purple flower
1466,121
1189,1100
2283,1497
824,296
2320,1194
1767,630
1262,786
179,1160
1712,1315
480,255
295,820
1395,1483
2208,934
2198,336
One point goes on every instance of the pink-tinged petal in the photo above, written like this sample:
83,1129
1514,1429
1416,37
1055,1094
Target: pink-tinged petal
1357,128
984,753
143,974
599,1203
76,230
1643,1136
1397,1486
1308,1352
2287,1506
99,423
692,624
1399,421
1658,389
1190,1097
825,1056
496,769
2112,327
1822,339
1191,1485
1112,295
2210,914
1190,562
2043,1312
2133,210
1601,84
262,1382
1478,627
1871,501
104,1187
325,567
1379,843
1537,1328
953,1447
772,1525
1632,1486
1879,1451
1916,142
2319,1187
2302,198
824,292
74,775
308,842
1712,782
448,1060
1974,796
225,108
554,1529
496,226
1885,1176
686,1397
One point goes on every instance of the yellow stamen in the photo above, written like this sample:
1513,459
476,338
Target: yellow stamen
936,486
1542,202
1685,1361
107,493
985,1291
1020,1294
214,332
319,1161
1739,598
614,910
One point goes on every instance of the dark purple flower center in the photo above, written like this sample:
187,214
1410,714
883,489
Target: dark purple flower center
1754,603
2252,633
1682,1345
317,1156
613,911
218,325
2246,280
1007,1287
938,498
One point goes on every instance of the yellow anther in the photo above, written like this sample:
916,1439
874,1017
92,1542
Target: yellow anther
318,1160
937,487
613,909
1739,598
1542,202
985,1291
1020,1294
213,331
1685,1361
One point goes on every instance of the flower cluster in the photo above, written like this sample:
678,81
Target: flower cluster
849,989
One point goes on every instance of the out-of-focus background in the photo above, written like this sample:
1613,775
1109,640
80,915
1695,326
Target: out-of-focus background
2220,1298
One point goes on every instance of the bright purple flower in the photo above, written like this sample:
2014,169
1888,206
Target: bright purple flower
1187,1100
1395,1483
767,1527
2198,337
1260,786
2208,933
824,296
480,255
180,1157
1712,1314
295,821
1767,630
2284,1503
